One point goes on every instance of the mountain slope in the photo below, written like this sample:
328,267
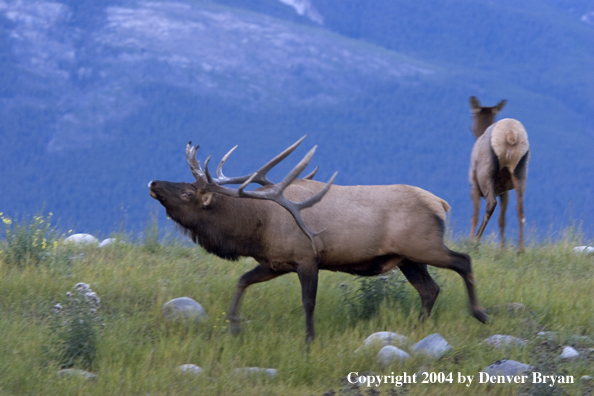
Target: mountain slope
98,98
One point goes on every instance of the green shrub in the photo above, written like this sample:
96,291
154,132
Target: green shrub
364,301
28,242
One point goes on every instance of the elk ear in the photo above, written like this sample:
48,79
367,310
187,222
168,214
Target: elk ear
207,200
474,104
500,106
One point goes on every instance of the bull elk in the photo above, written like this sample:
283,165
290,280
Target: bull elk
498,163
362,230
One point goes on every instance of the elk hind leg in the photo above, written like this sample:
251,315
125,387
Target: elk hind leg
256,275
520,187
418,276
503,199
443,257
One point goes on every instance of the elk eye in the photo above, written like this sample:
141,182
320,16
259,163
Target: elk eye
187,194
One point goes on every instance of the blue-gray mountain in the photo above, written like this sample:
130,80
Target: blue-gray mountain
99,97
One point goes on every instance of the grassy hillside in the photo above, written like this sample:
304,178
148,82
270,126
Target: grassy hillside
137,352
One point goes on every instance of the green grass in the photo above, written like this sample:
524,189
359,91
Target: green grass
137,352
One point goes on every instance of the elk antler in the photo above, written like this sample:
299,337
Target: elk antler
258,177
275,193
193,162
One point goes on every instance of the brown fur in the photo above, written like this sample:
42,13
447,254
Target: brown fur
498,163
368,230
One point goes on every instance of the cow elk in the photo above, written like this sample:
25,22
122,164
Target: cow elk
361,230
498,163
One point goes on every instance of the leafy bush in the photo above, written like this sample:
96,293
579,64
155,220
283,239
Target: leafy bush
75,328
28,242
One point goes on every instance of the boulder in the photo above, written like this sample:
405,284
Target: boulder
507,367
383,338
389,354
434,346
569,353
82,239
76,373
189,369
183,308
270,372
499,341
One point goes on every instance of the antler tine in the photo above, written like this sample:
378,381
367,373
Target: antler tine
220,167
206,171
260,175
312,173
193,162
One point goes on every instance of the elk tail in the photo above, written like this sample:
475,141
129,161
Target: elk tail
512,138
446,206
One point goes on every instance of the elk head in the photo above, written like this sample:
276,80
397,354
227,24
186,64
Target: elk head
185,202
483,116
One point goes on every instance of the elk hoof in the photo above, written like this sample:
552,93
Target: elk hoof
235,325
481,315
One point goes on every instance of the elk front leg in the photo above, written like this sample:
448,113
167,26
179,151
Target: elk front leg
308,277
475,196
419,278
256,275
503,199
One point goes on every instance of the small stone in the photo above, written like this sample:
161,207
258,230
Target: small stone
270,372
569,353
587,378
499,340
107,242
183,308
76,373
189,369
383,338
389,354
82,239
584,249
549,335
507,367
434,346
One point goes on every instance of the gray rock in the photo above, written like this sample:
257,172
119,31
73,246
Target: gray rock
383,338
107,242
183,308
76,373
584,249
389,354
499,341
189,369
270,372
434,346
82,239
507,367
548,335
587,378
569,353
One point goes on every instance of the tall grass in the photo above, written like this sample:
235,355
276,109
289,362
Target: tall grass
137,352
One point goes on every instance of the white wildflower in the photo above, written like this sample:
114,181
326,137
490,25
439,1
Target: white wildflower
93,298
82,288
57,307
